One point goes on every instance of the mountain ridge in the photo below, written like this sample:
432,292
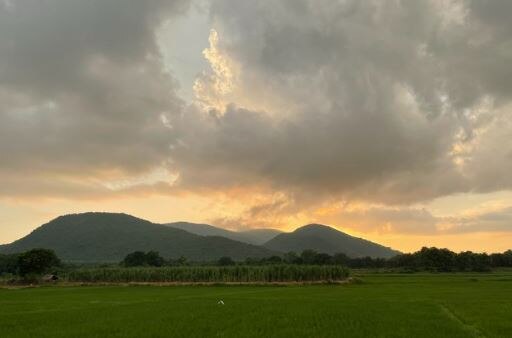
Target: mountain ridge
108,237
326,239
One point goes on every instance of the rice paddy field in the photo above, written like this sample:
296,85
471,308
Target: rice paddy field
383,305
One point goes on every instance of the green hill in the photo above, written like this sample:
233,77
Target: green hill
108,237
325,239
254,236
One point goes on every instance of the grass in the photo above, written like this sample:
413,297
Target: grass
384,305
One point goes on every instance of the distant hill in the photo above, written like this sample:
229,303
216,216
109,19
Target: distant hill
108,237
254,236
325,239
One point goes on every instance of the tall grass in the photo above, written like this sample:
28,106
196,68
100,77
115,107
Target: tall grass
212,274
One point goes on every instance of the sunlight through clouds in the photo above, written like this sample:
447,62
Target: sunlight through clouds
381,118
213,87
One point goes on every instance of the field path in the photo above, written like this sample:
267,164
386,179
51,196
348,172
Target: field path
472,330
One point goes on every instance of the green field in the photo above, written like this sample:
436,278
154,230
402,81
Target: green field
427,305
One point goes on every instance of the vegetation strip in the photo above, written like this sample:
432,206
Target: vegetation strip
211,274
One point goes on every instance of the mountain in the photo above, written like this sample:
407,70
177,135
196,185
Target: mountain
108,237
254,236
325,239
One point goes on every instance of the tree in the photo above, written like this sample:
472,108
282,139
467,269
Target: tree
153,258
322,259
37,261
465,261
140,258
308,256
482,263
223,261
291,258
9,264
136,258
501,259
435,259
340,259
507,258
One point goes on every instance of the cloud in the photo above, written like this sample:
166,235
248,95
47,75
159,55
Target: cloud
278,212
307,105
420,221
497,220
83,91
384,220
380,102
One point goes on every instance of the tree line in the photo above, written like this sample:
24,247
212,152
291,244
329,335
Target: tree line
40,261
444,260
426,259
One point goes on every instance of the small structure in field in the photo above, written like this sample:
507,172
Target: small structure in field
50,278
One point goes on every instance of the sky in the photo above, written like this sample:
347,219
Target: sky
389,120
